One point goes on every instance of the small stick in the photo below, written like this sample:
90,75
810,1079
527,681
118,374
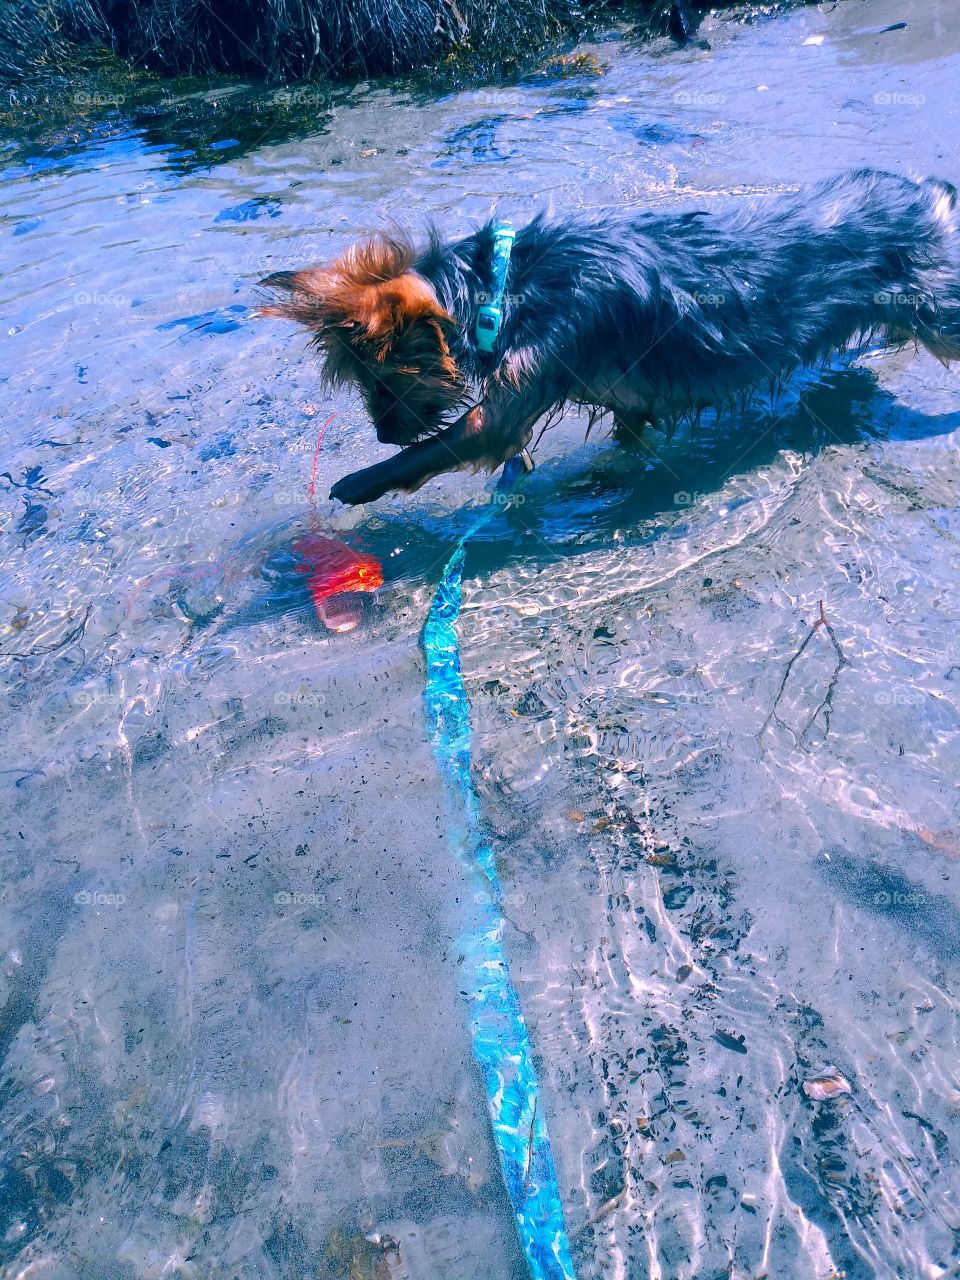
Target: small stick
601,1213
827,702
826,706
526,1172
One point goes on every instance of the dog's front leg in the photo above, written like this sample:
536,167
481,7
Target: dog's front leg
485,436
458,446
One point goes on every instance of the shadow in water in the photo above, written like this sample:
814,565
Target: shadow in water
199,124
574,503
931,920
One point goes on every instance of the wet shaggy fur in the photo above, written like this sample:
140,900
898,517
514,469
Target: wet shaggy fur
651,317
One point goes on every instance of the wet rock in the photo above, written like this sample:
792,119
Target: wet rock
250,210
826,1086
736,1044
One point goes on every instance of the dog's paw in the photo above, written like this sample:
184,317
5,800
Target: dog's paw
356,489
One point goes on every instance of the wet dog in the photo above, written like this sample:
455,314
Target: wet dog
652,317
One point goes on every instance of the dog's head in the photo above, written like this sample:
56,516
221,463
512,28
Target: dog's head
380,326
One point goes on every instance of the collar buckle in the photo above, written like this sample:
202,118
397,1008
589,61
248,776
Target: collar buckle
490,314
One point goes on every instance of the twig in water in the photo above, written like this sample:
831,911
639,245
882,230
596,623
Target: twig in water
526,1171
601,1213
826,704
75,633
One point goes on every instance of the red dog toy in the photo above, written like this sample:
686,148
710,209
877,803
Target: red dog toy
335,573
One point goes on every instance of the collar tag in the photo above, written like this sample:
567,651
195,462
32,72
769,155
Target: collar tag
490,313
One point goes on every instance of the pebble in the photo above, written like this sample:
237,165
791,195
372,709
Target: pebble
827,1086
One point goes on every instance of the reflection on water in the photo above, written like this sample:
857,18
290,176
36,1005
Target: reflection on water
230,1026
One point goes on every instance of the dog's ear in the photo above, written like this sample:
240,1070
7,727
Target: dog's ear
366,298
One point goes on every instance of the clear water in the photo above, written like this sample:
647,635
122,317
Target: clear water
230,1032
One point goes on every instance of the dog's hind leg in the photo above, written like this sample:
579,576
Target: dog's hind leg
630,425
936,326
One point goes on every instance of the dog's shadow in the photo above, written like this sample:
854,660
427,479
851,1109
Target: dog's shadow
635,481
630,485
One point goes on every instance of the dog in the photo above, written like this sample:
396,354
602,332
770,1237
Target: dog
651,317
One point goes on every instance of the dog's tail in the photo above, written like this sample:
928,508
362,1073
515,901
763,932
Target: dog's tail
944,195
936,321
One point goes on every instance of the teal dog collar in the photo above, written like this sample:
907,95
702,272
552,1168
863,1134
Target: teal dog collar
490,314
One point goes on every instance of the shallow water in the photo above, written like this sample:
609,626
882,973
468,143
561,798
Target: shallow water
231,1036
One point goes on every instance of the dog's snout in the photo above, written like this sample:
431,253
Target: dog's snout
386,429
384,414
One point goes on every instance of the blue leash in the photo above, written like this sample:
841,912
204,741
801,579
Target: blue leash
500,1042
